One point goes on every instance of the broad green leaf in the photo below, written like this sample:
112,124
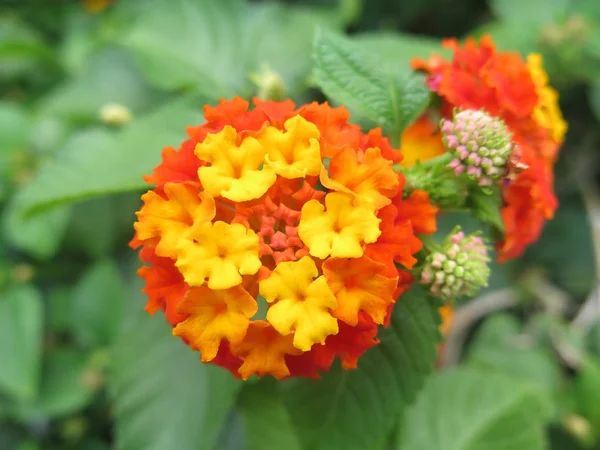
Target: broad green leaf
67,385
587,391
93,228
41,235
108,76
466,409
95,162
164,397
391,98
397,49
21,327
212,46
267,423
21,49
357,409
15,125
98,301
59,314
530,12
499,347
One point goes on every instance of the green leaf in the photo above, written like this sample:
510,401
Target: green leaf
21,328
531,12
40,236
393,100
395,50
267,423
498,346
95,162
93,228
164,397
587,391
64,388
357,409
98,300
486,206
214,45
109,76
465,409
21,49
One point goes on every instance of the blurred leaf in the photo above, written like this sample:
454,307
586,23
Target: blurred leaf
21,48
59,309
109,76
41,235
396,49
15,126
510,36
164,397
498,347
94,226
587,391
98,302
267,423
392,100
21,327
486,206
594,99
214,45
559,239
530,12
465,409
358,408
64,388
95,162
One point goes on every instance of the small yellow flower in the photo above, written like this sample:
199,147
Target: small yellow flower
341,230
547,112
237,172
214,316
294,153
218,254
301,303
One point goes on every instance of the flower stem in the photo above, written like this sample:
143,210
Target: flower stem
441,160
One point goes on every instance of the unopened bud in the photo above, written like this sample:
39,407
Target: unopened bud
459,268
270,85
481,145
115,114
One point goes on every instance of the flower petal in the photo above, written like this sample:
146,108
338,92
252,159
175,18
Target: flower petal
300,304
359,286
236,172
218,254
214,315
341,230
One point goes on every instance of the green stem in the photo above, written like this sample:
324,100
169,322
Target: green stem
429,243
441,160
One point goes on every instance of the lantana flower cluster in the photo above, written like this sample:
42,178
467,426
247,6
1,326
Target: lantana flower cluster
279,238
504,86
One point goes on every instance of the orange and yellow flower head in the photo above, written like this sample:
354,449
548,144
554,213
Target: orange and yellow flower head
277,239
516,91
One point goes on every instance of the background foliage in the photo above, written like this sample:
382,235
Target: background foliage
83,367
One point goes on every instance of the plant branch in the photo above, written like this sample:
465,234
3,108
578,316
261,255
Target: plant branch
467,315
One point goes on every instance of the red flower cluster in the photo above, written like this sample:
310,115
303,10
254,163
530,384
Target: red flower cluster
505,86
237,220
